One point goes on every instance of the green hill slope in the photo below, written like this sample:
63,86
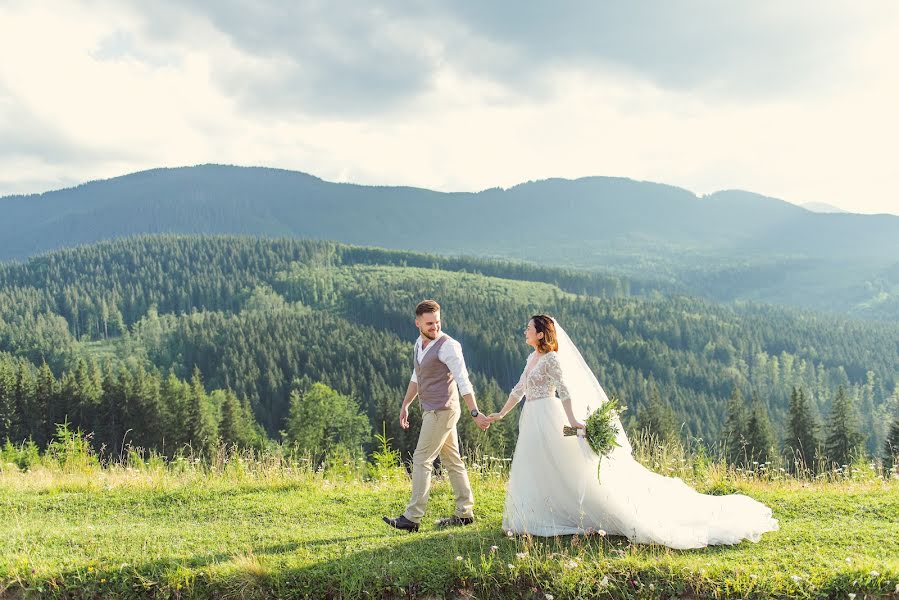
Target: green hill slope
261,317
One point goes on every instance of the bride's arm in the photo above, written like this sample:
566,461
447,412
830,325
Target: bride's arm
515,395
554,369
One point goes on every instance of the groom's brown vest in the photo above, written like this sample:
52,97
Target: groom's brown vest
436,387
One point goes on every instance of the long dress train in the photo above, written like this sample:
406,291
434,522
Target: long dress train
553,486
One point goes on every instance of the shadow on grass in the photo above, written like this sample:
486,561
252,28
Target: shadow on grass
475,561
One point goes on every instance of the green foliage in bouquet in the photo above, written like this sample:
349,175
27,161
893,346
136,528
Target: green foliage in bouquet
601,430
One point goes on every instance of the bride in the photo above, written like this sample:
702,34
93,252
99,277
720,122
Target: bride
553,486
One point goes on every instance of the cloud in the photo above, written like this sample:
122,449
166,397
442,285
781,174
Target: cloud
26,135
352,59
334,58
793,100
121,46
753,49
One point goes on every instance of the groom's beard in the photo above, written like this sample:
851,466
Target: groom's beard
429,335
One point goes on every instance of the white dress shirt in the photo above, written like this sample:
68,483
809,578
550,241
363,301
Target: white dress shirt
450,354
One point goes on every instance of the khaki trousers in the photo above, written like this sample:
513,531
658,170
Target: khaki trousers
439,437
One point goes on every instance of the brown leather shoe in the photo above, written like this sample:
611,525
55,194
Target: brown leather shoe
454,520
401,522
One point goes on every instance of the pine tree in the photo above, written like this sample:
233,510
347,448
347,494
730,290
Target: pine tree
143,411
735,430
801,443
844,437
236,426
760,442
46,394
7,400
891,446
26,422
658,418
202,426
82,399
175,400
116,389
56,407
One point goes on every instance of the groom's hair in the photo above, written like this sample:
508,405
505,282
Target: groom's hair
544,324
426,306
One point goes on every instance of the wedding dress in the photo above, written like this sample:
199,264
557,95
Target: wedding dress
553,485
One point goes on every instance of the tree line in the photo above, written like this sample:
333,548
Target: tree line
257,323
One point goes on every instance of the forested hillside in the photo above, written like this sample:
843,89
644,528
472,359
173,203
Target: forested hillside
724,246
166,340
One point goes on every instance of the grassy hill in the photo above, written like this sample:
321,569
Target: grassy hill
266,527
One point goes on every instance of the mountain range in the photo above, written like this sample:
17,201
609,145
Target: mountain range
730,245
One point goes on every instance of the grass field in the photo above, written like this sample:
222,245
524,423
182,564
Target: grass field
258,528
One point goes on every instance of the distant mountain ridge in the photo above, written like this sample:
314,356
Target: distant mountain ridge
840,262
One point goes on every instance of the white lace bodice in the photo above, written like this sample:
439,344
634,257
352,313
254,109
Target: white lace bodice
541,378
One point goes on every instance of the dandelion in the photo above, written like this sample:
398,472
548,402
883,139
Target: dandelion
897,588
509,533
874,574
493,549
550,597
851,596
601,533
796,578
458,558
848,559
652,586
753,576
510,565
103,580
604,582
571,564
521,555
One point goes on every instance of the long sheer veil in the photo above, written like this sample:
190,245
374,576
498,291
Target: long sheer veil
559,486
586,393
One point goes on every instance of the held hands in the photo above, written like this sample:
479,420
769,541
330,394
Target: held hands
494,417
483,421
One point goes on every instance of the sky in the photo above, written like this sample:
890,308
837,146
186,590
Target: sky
794,100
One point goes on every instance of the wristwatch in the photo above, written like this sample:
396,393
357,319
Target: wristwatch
475,413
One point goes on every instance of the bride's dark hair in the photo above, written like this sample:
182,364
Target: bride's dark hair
544,324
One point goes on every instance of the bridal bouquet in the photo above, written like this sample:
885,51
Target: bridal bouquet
601,428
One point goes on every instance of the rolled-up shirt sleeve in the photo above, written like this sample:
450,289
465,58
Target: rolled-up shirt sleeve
451,355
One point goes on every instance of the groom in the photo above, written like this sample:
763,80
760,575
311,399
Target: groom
438,366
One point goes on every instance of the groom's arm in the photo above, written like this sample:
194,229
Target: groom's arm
411,393
451,355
